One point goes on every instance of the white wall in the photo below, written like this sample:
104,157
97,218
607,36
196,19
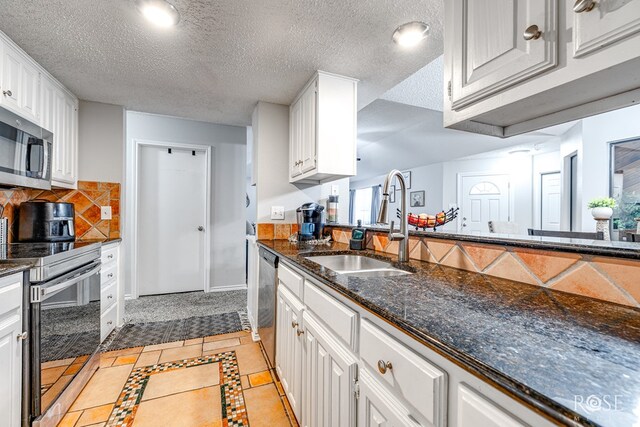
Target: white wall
101,129
228,187
270,124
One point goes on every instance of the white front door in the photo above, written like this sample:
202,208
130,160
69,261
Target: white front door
551,201
483,198
171,210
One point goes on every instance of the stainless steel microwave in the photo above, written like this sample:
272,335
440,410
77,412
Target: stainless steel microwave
25,153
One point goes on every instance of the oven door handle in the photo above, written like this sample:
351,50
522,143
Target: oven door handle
40,291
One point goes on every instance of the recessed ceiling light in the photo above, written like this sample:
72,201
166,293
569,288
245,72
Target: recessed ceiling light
159,12
410,34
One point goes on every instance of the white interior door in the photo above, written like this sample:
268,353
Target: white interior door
171,219
483,198
551,201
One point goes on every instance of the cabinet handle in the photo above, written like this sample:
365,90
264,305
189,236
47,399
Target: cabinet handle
383,366
110,275
532,33
109,296
7,93
299,332
110,322
294,324
110,256
583,6
23,336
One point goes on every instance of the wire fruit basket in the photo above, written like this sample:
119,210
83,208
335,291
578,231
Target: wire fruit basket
425,221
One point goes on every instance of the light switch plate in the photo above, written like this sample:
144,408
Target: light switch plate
277,212
105,212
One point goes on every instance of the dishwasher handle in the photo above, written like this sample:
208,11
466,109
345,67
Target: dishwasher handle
41,292
268,256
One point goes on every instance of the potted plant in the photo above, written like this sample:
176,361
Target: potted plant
602,209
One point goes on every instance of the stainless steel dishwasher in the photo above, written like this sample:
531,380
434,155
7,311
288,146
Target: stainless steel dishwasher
267,300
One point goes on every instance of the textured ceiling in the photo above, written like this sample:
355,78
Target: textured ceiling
399,136
423,89
224,55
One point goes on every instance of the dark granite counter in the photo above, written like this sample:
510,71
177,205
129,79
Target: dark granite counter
7,268
547,349
629,250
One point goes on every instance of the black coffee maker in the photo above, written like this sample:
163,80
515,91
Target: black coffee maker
311,220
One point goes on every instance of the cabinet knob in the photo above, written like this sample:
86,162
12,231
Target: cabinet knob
299,332
532,33
23,336
7,93
383,366
109,296
200,228
294,324
583,6
110,322
110,275
110,256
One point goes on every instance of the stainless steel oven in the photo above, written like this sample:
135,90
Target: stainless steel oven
25,152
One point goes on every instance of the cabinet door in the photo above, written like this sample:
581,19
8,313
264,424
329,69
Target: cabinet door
10,351
377,407
295,139
48,107
329,373
309,118
475,410
606,23
289,347
29,91
11,71
490,52
65,147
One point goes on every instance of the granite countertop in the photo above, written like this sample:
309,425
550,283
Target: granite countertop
8,268
546,348
103,241
619,249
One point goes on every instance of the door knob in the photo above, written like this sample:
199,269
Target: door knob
583,6
200,228
384,366
532,33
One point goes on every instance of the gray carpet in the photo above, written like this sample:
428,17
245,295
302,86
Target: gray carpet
159,308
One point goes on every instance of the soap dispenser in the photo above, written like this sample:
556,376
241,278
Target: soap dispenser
358,238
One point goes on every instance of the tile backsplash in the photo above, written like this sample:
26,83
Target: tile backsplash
605,278
87,200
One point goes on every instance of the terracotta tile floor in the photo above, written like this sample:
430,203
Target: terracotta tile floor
183,397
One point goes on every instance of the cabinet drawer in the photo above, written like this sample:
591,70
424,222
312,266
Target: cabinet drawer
475,409
410,376
108,322
108,273
109,254
342,320
108,296
293,281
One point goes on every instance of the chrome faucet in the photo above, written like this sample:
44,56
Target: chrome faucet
403,236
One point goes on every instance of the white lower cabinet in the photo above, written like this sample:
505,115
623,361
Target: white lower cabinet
329,375
340,367
289,347
11,338
109,289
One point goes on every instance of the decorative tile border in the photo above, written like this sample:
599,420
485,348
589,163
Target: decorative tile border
87,200
234,412
605,278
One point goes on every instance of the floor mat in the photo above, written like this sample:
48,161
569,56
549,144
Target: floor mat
142,334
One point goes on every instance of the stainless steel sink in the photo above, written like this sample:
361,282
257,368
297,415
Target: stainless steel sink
357,265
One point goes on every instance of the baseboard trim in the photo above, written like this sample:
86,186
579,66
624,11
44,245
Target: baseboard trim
239,287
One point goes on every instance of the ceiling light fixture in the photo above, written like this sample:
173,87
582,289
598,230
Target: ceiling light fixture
410,34
159,12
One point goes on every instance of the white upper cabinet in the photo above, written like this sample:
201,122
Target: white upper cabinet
322,130
597,24
492,53
516,66
20,83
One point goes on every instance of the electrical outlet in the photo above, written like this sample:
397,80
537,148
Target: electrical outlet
105,212
277,212
335,189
